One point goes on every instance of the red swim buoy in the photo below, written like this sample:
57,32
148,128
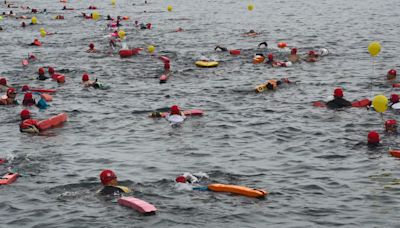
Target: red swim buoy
234,52
395,153
396,85
2,161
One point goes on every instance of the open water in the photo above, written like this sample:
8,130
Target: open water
313,161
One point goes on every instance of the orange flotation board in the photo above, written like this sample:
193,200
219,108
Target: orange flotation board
46,97
258,59
190,112
52,122
282,45
8,178
240,190
395,153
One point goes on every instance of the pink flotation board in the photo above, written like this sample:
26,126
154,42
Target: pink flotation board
8,178
52,122
2,161
129,52
25,62
163,78
320,104
139,205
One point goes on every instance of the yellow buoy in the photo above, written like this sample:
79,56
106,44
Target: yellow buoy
34,20
121,34
43,33
169,8
96,15
151,48
250,7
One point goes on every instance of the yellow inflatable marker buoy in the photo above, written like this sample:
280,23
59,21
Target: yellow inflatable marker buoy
96,15
374,48
43,33
121,34
206,63
151,48
169,8
34,20
250,7
113,2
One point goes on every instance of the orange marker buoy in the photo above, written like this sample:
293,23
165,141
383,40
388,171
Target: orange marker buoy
282,45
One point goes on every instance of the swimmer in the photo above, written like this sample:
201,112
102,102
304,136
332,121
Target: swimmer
394,99
338,101
391,74
86,82
142,26
263,43
51,71
251,33
175,116
391,126
109,18
272,84
59,17
28,100
9,98
111,187
91,48
294,57
220,48
373,138
31,57
179,29
28,124
23,25
3,85
41,73
65,8
312,57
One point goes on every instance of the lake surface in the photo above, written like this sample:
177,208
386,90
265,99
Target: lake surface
313,161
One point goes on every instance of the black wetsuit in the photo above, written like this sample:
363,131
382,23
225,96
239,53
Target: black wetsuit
111,190
338,102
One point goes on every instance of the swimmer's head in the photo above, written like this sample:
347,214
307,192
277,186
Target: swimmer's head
311,53
91,46
394,98
373,138
270,86
3,81
51,70
391,74
180,179
85,77
25,114
11,92
23,24
41,71
391,126
338,92
175,110
293,51
252,31
108,177
25,88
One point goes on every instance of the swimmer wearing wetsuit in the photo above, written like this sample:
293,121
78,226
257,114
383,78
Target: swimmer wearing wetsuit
338,101
110,184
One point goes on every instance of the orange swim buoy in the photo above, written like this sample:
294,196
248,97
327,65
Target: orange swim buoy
46,97
395,153
240,190
52,122
282,45
125,18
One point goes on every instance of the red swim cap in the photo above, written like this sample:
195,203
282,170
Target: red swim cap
41,70
373,138
392,72
294,51
390,123
85,77
25,114
148,25
25,88
91,46
311,53
27,96
175,110
394,98
270,56
180,179
3,81
106,176
51,70
338,92
11,90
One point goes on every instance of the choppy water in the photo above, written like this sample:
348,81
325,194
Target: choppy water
314,162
